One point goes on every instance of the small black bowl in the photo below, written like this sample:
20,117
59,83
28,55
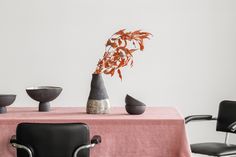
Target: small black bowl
129,100
44,94
135,110
6,100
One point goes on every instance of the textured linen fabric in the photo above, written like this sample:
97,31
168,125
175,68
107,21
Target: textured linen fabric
159,132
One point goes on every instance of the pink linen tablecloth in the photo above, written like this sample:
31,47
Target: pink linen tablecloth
159,132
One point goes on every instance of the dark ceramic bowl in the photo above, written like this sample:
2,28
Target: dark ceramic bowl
6,100
135,110
44,94
129,100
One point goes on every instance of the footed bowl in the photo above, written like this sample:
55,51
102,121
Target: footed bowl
44,94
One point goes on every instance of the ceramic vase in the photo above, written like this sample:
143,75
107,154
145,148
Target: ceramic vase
98,100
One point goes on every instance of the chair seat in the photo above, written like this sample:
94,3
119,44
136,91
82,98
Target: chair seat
214,149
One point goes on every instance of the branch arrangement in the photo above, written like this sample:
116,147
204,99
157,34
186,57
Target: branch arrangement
119,51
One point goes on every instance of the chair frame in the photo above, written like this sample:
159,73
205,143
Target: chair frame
231,127
95,140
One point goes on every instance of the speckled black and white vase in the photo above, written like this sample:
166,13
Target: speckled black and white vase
98,101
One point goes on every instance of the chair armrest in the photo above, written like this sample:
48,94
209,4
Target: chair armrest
232,127
13,139
15,144
96,139
198,117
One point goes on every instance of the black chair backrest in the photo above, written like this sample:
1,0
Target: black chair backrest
226,115
52,140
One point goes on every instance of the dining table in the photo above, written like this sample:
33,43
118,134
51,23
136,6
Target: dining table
158,132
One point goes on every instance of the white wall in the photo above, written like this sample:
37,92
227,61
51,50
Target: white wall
189,63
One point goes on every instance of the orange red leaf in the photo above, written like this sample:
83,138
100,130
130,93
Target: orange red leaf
120,75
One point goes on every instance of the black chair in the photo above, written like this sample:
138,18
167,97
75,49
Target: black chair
226,122
53,140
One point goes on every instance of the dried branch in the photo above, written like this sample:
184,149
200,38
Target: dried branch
119,51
